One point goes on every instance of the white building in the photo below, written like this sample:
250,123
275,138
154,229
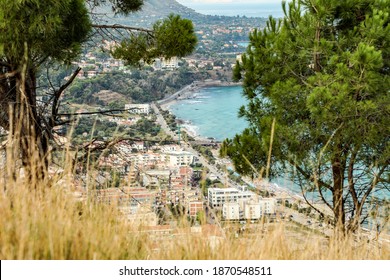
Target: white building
138,108
252,210
171,63
237,205
179,158
231,211
267,206
217,197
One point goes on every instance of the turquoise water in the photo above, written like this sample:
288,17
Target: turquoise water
212,112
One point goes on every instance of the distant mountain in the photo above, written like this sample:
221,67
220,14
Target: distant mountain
163,8
158,9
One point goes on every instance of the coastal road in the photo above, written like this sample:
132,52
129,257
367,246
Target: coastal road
176,95
161,121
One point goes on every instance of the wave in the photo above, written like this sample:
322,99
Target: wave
191,129
193,102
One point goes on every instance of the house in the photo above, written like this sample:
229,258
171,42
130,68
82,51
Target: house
141,109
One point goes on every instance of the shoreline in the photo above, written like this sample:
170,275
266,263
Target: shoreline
188,91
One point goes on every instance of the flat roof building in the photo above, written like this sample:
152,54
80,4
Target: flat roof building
217,197
138,108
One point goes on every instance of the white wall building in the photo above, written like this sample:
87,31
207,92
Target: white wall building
217,197
138,108
252,210
179,158
231,211
171,63
247,207
267,206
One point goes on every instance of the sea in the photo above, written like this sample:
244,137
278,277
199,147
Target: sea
212,112
239,9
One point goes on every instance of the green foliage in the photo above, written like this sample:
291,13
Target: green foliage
170,37
323,73
247,152
145,126
46,28
175,36
126,6
139,86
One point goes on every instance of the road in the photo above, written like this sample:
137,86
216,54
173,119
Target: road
176,95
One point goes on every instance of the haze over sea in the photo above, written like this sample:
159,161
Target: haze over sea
254,9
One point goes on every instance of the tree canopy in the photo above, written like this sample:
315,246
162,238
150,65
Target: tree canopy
322,73
170,37
33,32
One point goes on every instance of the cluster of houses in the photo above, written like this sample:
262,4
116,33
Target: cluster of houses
151,178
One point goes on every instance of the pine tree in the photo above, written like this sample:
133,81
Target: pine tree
322,73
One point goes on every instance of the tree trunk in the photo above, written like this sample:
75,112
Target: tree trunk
338,199
29,137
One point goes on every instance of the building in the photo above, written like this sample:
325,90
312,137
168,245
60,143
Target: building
252,210
179,158
217,197
249,209
138,108
194,207
231,211
146,219
171,63
267,206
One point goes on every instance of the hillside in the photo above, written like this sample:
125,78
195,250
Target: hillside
155,9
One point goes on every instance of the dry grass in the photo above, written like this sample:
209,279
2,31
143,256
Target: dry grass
47,222
50,224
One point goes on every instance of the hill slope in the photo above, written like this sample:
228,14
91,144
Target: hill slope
156,9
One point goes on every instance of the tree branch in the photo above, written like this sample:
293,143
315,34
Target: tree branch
310,204
123,27
311,178
57,95
93,113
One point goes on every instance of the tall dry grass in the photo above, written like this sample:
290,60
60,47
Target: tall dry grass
47,222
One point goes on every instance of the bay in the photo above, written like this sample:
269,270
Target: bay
212,112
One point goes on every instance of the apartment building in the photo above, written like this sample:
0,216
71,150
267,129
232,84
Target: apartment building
179,158
249,209
217,197
231,211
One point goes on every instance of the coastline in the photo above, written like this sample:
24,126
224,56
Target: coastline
189,91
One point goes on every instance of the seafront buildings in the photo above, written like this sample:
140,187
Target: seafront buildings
240,204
